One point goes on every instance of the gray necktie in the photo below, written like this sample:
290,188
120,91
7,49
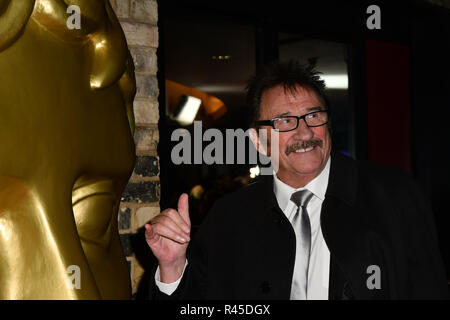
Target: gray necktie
302,227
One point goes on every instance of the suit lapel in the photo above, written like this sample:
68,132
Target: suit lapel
276,243
345,231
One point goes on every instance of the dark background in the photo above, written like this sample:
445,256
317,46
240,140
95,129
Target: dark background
397,99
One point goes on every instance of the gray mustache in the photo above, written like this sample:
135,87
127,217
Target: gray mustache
303,145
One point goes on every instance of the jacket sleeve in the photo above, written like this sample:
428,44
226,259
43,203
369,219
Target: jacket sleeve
156,294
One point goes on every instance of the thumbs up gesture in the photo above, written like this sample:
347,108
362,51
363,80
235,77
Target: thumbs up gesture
167,235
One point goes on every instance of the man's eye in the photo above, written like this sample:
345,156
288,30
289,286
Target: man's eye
312,115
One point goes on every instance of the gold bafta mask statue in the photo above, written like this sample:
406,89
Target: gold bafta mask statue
66,150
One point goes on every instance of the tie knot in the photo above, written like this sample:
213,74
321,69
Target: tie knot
301,198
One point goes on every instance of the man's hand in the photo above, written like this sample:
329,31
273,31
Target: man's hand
168,236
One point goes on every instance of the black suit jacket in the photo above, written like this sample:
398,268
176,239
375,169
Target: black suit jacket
371,215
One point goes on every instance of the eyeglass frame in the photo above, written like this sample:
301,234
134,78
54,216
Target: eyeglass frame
272,121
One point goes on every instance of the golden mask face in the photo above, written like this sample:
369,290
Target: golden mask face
66,150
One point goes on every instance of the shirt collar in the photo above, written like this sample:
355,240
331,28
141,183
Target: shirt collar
318,186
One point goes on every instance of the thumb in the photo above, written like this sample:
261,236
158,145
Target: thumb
183,208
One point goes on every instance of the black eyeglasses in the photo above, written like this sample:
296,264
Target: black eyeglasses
289,123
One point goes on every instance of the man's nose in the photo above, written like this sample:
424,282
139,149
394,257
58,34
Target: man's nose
303,132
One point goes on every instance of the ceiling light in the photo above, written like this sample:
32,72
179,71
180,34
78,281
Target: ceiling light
254,172
221,57
335,81
188,109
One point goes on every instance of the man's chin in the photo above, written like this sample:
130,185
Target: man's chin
310,170
307,164
298,177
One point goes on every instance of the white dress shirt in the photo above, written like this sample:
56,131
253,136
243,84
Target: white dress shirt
168,288
319,263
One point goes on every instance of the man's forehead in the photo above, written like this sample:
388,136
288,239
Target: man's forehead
289,93
284,99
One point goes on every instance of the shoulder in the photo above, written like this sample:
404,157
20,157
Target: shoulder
242,203
253,192
369,171
382,173
363,177
233,211
393,183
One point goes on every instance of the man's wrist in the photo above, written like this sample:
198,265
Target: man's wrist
172,272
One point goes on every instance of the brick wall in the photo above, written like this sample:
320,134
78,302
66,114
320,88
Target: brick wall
140,201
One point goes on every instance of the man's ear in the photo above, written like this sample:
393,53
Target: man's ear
14,15
260,146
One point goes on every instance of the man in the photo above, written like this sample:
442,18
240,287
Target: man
322,227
